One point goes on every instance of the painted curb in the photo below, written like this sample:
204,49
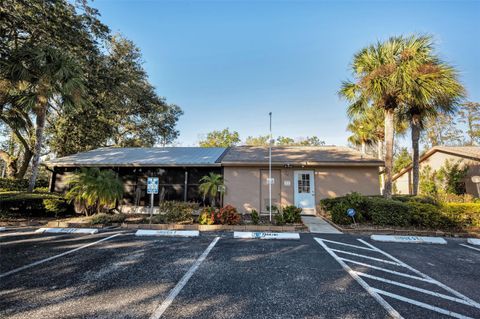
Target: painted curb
68,230
3,228
409,239
265,235
169,233
473,241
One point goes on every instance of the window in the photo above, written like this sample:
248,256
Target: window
303,183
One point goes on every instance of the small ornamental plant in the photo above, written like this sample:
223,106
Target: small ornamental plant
228,215
207,216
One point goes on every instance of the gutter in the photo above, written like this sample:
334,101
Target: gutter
128,165
305,164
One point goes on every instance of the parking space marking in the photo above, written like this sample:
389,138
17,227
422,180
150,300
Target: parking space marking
391,311
367,257
349,245
378,293
468,246
386,270
422,304
11,272
428,292
176,290
436,282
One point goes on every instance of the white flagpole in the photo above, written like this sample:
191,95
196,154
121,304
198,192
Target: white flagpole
270,170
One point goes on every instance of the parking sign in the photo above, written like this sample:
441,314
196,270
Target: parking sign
152,185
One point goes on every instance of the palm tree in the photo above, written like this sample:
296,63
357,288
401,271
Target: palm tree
44,75
211,185
92,190
376,85
363,133
432,87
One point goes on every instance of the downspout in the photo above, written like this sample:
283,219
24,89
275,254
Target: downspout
186,186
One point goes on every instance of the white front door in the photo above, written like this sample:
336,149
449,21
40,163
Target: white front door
304,189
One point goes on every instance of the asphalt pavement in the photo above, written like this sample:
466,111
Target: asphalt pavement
114,274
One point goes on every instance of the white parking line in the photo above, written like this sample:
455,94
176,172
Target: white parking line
468,246
391,311
438,283
421,304
386,270
54,257
176,290
378,293
428,292
349,245
367,257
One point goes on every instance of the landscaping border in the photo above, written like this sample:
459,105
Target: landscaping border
204,228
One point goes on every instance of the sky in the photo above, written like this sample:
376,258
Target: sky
230,63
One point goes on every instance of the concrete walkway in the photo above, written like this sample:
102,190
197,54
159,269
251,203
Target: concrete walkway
318,225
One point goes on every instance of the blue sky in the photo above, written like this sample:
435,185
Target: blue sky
228,63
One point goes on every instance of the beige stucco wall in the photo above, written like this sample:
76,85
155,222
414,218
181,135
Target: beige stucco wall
436,161
243,186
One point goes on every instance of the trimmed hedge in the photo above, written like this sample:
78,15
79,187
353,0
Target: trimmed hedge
103,218
7,184
20,204
403,211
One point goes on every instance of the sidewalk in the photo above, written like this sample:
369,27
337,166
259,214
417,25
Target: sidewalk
318,225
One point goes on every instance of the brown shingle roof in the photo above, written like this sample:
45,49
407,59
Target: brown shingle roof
304,155
468,151
472,152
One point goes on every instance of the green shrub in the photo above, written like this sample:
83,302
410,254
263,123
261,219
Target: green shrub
104,219
176,212
56,206
21,204
462,214
403,211
386,212
207,216
292,214
338,208
279,220
453,198
255,217
419,199
7,184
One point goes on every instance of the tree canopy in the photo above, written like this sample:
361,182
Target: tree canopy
223,138
120,107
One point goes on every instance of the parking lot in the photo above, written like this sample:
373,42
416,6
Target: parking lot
114,274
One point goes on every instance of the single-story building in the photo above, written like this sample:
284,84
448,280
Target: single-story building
301,176
436,157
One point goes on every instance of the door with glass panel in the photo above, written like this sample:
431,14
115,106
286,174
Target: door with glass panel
304,189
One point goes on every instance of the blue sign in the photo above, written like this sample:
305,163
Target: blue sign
351,212
152,185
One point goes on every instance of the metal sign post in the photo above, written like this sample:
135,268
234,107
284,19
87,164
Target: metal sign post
351,212
152,189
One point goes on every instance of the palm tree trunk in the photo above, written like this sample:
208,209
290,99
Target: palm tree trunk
415,127
40,122
389,136
364,148
27,157
380,157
